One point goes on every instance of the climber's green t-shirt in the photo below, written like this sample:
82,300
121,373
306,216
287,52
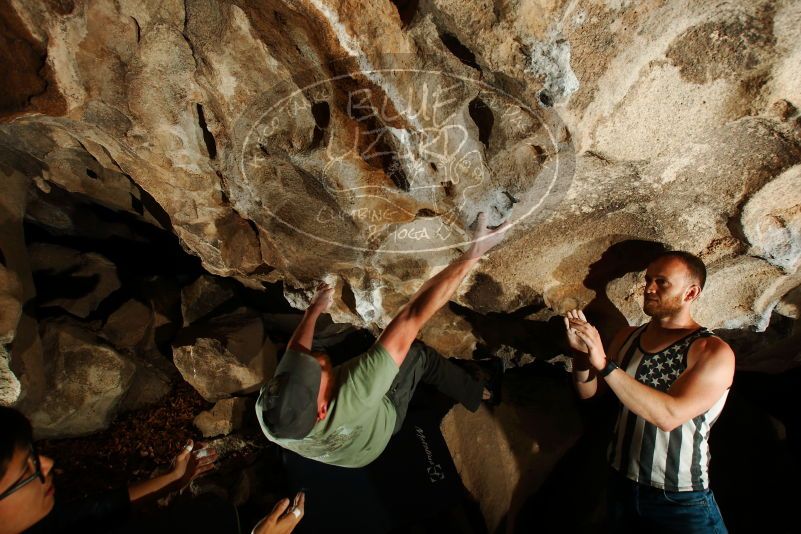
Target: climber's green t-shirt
360,417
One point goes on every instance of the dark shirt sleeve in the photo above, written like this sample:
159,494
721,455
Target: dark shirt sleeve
96,513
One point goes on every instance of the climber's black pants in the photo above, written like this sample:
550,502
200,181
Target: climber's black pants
424,364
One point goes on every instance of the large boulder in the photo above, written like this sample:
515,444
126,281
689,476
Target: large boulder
227,355
131,329
164,298
10,313
226,416
202,296
10,306
449,334
87,382
10,387
74,281
505,453
130,325
23,365
151,383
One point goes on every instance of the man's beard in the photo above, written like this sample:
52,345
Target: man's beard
662,308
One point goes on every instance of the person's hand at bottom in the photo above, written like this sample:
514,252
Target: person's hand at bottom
284,518
193,461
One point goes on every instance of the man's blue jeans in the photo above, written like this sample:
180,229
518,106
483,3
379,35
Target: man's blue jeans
636,507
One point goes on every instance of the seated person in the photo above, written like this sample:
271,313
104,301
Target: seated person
345,415
28,501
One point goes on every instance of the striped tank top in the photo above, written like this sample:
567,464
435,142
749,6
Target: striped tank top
677,460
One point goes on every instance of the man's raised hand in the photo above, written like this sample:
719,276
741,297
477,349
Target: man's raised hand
322,299
484,238
591,338
573,338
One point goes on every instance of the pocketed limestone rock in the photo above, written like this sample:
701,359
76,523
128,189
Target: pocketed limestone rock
662,117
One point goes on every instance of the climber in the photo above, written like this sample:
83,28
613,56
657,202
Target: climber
672,377
345,415
29,502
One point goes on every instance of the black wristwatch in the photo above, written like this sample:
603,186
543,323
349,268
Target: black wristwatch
608,368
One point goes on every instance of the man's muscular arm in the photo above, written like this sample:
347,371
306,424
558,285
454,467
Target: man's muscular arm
303,336
709,373
403,329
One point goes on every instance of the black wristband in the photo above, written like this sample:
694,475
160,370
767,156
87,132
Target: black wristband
610,366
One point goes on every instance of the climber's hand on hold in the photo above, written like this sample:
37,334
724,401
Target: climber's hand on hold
484,238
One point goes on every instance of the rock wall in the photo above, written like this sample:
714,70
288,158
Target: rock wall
356,141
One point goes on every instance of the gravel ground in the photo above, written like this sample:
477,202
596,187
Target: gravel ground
136,444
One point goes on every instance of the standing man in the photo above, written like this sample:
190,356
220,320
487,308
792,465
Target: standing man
345,415
672,377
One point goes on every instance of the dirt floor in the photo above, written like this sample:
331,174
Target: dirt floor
135,446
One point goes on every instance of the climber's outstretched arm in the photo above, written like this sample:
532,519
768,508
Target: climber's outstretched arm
301,339
403,329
